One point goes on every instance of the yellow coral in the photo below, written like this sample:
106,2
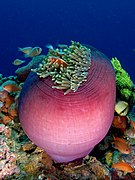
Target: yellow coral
108,158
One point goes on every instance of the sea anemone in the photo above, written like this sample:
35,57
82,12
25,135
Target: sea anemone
66,105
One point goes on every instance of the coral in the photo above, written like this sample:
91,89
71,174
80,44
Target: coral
124,84
24,71
21,159
108,158
7,158
98,169
8,108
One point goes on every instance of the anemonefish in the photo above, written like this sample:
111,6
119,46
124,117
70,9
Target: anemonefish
58,60
31,52
25,50
18,62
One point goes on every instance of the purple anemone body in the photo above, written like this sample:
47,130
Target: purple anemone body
68,126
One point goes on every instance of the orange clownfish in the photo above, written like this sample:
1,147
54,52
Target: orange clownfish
58,60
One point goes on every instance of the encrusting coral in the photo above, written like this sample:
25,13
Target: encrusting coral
124,84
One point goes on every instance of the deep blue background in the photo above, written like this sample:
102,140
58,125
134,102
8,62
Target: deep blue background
108,25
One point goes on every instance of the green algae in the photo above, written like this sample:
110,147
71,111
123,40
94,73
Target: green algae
124,84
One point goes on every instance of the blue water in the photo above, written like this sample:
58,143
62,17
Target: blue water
108,25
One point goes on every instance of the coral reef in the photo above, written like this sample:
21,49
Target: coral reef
21,159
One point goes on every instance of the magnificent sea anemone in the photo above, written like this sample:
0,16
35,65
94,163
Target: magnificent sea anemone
67,103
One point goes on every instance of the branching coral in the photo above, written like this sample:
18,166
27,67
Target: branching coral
124,84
